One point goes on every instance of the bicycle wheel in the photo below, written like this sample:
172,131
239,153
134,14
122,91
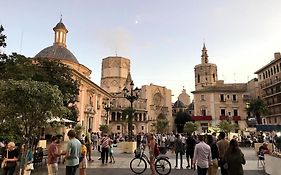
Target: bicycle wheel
138,165
163,166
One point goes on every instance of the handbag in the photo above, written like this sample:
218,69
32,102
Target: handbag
4,164
29,167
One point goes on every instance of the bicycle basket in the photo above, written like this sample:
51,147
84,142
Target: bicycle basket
137,153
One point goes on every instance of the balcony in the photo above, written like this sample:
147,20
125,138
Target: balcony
201,118
236,118
224,117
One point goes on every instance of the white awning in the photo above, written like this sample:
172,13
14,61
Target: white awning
61,120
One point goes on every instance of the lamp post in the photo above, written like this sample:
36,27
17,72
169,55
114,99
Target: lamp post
107,105
131,95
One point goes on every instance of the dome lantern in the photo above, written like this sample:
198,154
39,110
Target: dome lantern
60,34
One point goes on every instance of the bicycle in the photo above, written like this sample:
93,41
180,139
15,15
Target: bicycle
139,163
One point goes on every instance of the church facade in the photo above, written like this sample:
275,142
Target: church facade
153,101
91,96
215,101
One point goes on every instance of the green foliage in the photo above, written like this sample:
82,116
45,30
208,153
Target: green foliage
227,127
78,128
18,67
181,119
104,128
2,37
25,106
190,127
161,124
258,109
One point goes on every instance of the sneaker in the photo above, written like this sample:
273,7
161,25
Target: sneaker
187,167
176,167
110,161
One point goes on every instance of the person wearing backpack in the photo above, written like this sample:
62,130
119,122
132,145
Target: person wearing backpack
151,146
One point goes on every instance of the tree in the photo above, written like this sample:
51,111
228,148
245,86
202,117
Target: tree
18,67
27,105
78,130
190,127
161,124
227,127
2,38
104,128
258,108
181,119
127,116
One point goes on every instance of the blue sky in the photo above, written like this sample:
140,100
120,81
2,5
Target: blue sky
163,38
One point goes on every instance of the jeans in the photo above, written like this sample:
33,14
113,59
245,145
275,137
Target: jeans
202,171
104,155
9,170
71,170
178,152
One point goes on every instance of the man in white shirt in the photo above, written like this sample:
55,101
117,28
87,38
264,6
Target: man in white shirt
202,156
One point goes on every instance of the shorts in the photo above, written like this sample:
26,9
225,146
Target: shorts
53,169
189,154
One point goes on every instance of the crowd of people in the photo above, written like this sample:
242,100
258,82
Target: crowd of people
206,153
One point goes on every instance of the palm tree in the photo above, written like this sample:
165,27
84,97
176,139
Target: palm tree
258,109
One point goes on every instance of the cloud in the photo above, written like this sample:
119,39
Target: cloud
116,40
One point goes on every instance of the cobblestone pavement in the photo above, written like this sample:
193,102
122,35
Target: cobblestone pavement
121,167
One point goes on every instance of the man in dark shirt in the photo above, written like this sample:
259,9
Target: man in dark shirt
190,145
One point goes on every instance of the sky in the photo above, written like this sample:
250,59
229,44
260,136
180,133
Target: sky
162,38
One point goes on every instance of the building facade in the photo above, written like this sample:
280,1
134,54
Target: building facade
215,101
153,101
91,96
269,80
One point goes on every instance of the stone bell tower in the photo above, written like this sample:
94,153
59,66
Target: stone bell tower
205,73
114,73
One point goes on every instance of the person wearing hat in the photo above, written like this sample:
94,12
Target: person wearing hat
10,159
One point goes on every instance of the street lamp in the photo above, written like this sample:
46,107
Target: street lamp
107,106
131,95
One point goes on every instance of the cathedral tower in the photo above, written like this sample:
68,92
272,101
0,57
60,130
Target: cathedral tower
114,73
205,73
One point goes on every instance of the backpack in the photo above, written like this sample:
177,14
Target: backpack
156,150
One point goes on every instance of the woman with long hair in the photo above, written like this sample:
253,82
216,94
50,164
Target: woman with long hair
213,169
151,146
234,159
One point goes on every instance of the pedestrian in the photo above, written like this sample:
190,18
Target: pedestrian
95,139
190,145
53,154
83,159
202,156
234,158
10,159
178,145
88,142
111,152
105,141
28,166
72,153
215,155
151,147
222,147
